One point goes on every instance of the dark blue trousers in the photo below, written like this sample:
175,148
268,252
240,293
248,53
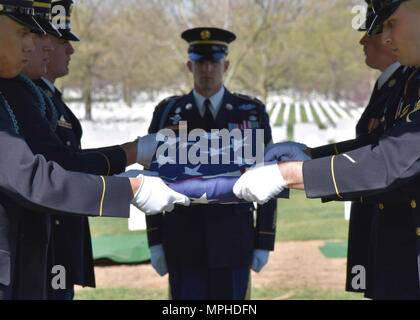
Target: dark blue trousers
195,283
63,294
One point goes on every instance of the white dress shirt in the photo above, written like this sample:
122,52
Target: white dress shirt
49,84
384,77
215,102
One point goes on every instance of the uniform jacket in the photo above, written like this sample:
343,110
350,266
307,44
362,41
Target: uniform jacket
53,239
71,234
385,174
213,235
371,125
29,183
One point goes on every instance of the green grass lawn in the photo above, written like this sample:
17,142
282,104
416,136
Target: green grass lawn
302,294
299,218
326,115
316,118
279,120
256,294
109,226
303,114
121,294
292,121
271,110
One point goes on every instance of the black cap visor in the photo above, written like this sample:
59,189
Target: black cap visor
27,21
66,34
48,27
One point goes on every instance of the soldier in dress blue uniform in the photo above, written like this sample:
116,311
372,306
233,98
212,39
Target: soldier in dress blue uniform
208,249
71,236
32,190
385,173
371,125
68,127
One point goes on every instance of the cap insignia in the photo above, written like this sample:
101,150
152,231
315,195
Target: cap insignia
205,35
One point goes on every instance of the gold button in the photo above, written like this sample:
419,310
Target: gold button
381,206
413,204
418,231
361,199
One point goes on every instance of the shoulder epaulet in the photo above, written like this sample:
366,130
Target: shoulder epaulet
248,98
168,100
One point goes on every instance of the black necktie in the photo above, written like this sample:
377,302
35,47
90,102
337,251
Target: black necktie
208,117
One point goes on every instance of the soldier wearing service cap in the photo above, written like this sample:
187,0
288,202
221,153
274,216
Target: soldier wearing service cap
71,237
208,250
22,12
384,173
42,15
57,14
68,126
32,190
378,114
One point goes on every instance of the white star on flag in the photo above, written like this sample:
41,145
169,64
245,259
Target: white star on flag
193,171
202,200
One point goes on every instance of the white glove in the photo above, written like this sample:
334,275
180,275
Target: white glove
260,259
157,257
146,149
260,184
286,151
155,196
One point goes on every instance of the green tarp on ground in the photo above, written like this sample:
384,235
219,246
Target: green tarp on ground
122,248
334,249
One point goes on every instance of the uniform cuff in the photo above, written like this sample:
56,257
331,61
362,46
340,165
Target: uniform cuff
317,178
116,197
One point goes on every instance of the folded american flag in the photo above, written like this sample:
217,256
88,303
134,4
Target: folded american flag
207,168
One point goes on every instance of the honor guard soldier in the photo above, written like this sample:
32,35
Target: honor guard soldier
71,236
33,189
377,116
385,173
208,249
68,126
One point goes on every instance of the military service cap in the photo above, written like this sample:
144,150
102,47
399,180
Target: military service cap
57,13
22,12
208,43
383,9
370,16
42,11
